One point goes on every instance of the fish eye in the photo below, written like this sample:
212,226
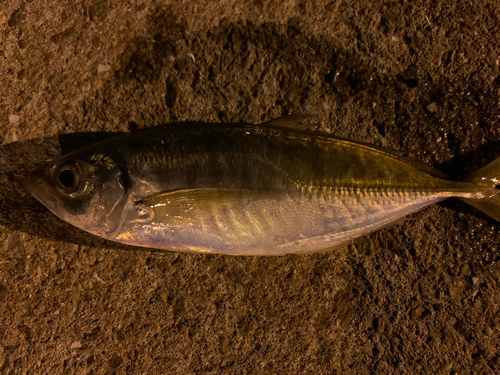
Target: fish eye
68,179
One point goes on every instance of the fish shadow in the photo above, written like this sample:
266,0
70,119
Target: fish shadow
75,141
461,165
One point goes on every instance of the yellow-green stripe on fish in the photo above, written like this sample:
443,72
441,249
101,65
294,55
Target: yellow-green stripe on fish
268,189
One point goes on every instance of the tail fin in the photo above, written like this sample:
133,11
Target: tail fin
489,177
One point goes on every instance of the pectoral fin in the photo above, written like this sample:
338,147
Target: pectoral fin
189,205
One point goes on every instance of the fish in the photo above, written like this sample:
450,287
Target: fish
244,189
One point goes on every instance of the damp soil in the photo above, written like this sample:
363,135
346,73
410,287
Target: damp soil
418,297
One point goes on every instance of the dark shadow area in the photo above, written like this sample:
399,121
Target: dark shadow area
76,141
461,165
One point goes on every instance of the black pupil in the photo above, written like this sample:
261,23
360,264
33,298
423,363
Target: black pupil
66,178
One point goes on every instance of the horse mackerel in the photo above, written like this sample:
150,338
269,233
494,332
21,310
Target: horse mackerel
239,189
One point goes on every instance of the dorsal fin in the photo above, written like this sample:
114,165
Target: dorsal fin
289,122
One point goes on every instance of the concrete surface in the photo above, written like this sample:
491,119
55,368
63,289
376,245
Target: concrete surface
420,297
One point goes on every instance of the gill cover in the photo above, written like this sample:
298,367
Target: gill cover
88,191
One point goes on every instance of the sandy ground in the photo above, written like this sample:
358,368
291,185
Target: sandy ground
420,297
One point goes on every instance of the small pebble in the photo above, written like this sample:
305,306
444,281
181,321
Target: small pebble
13,119
13,241
76,345
103,68
433,108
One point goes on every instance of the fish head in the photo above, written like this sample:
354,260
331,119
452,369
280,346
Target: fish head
87,190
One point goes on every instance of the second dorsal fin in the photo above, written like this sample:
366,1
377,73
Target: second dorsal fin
290,122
